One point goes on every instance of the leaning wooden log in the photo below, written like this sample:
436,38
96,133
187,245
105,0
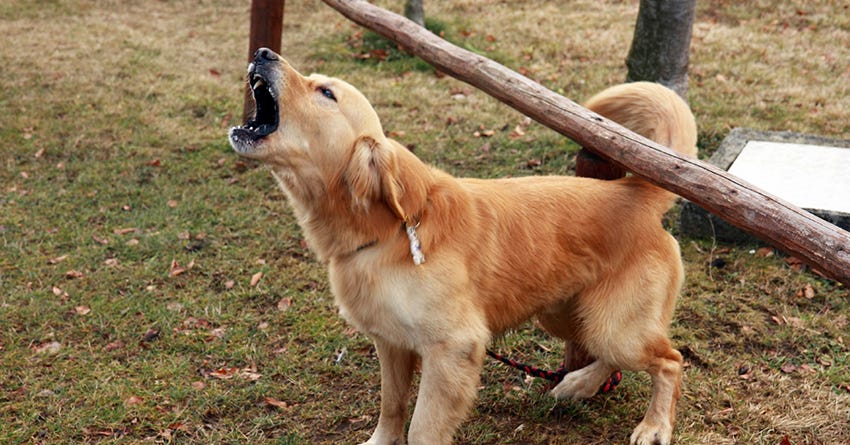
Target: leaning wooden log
793,230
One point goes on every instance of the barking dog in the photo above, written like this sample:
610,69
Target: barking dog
431,267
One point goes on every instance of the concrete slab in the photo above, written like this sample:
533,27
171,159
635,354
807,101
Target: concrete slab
809,171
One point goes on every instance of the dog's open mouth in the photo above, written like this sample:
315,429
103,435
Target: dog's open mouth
266,117
266,114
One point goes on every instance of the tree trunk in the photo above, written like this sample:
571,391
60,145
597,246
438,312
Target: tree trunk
266,31
659,53
661,43
778,222
413,10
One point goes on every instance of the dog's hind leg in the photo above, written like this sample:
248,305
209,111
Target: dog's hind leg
583,383
396,374
665,369
562,322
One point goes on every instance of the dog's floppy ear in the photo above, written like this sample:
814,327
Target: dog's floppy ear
386,171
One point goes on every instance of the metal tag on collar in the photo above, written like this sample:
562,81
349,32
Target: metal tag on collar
415,245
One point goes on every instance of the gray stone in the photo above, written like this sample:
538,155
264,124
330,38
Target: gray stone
811,172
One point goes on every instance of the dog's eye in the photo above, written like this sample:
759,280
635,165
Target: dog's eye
327,93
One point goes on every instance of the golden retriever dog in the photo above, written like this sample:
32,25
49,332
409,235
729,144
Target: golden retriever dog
432,267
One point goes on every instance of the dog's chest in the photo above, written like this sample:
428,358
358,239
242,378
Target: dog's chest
382,302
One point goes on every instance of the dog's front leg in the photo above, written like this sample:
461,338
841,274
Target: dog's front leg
450,376
396,374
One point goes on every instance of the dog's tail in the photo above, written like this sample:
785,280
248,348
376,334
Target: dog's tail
653,111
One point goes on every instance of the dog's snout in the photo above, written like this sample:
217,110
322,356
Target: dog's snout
265,55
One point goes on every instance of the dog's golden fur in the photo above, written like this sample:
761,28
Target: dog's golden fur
588,258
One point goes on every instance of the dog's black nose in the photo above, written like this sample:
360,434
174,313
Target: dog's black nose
265,55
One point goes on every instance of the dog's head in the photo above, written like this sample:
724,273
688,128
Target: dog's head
317,132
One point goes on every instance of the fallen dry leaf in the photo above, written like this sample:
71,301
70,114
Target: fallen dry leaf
271,401
117,344
223,373
124,231
111,262
795,263
177,269
132,401
824,361
216,333
225,121
198,385
73,274
57,260
534,162
795,322
179,426
256,278
807,291
100,240
61,293
806,368
229,284
52,347
764,252
284,304
788,368
193,323
150,335
518,132
82,310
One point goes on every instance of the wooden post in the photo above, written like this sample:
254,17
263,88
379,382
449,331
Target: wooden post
591,165
815,241
659,53
266,31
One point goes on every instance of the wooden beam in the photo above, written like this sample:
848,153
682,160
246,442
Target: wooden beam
266,31
817,242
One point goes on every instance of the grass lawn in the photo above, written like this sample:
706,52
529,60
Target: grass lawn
155,288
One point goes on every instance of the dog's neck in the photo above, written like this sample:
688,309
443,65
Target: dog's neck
333,224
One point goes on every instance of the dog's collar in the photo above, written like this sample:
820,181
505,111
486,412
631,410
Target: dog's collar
366,245
415,245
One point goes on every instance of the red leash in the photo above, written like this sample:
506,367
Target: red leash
557,375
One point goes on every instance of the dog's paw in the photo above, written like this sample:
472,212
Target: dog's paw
648,433
384,441
576,385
